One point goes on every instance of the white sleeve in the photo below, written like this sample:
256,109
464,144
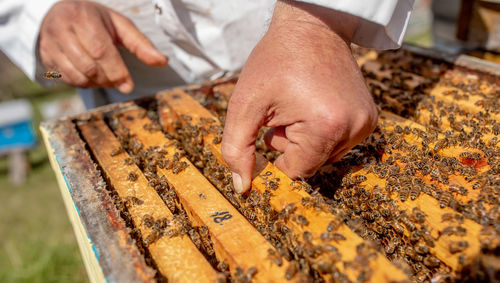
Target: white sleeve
20,22
382,22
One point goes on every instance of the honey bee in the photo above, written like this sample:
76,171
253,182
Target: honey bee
445,199
360,178
116,151
449,216
307,202
174,232
272,184
287,211
300,219
431,261
153,237
462,259
216,140
239,275
148,220
389,247
274,257
406,222
417,215
415,236
454,230
414,192
307,236
407,130
421,248
333,225
195,237
132,177
221,278
458,246
161,224
427,237
337,237
397,227
222,266
291,270
133,200
52,75
403,194
179,167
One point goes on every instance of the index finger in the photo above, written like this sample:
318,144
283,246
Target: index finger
242,125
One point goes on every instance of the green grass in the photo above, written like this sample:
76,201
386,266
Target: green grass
36,239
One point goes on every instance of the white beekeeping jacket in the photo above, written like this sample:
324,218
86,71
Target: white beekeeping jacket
203,39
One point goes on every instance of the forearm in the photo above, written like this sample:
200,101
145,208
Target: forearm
314,18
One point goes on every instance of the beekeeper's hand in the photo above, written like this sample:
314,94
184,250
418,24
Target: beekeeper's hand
79,39
302,81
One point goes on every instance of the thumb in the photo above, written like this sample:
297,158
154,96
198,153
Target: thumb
243,122
136,42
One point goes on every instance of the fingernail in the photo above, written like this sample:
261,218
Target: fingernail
125,87
159,55
237,183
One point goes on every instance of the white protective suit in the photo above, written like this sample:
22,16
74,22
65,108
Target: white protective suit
204,39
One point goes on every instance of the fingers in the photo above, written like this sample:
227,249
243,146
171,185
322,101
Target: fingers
307,148
86,34
136,42
98,44
275,138
336,156
238,142
54,58
80,59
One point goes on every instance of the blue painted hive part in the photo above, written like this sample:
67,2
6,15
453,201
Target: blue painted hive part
16,129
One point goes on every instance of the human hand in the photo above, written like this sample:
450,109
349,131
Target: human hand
80,39
302,81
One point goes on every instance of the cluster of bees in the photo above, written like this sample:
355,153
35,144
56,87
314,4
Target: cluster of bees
302,255
412,159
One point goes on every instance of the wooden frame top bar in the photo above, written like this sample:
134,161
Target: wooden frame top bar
236,241
180,106
177,258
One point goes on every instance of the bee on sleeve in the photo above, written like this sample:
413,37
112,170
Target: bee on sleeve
52,75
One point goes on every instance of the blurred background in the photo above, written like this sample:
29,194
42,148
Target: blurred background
36,238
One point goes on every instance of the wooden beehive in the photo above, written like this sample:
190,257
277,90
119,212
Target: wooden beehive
150,197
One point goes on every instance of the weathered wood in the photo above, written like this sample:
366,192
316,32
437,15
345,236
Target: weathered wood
286,192
177,258
108,251
236,241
